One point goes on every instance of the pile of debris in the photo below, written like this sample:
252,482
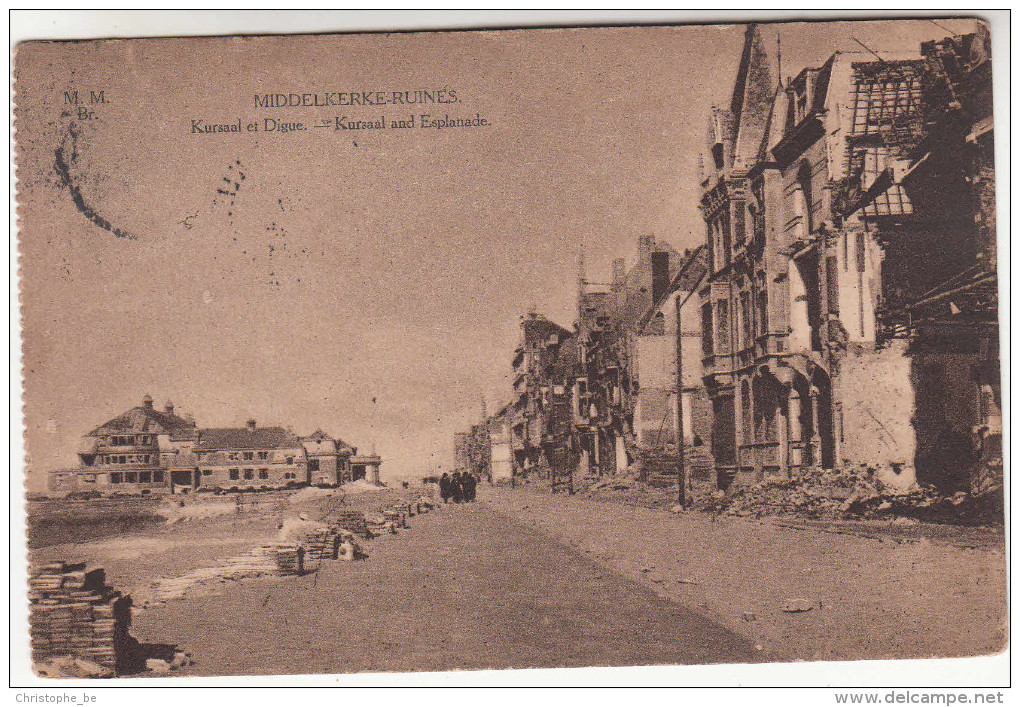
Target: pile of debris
852,492
615,483
75,613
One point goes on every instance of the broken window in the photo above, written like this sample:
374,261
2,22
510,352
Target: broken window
157,476
131,477
116,478
145,477
313,465
802,202
717,155
249,473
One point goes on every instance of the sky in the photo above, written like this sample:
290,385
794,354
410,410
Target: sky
369,283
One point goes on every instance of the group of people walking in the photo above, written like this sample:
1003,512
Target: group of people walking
459,488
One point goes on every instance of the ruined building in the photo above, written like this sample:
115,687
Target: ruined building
575,393
497,445
540,414
824,244
937,299
605,393
666,356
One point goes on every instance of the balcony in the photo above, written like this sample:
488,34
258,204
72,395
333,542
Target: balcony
153,463
772,344
127,448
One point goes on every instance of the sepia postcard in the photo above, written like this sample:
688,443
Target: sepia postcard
489,350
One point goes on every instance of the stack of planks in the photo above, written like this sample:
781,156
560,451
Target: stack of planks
290,559
353,521
74,612
323,544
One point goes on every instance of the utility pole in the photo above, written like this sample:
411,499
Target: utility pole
681,470
681,462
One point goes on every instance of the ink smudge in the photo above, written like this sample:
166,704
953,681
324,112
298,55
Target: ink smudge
62,165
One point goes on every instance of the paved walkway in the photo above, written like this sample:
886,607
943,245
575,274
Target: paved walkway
874,597
464,588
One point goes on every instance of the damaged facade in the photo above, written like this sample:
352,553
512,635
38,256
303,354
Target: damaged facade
666,355
606,389
580,408
540,417
145,450
838,206
841,313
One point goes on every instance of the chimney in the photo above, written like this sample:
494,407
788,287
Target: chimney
645,245
147,401
251,424
660,275
619,271
169,407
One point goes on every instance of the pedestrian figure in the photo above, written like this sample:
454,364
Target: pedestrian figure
469,482
445,487
457,487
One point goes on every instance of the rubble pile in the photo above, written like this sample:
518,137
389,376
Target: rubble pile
615,483
851,492
75,613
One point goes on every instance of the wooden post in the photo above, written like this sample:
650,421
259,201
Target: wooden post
681,470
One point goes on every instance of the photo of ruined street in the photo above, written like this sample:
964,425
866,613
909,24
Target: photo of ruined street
589,347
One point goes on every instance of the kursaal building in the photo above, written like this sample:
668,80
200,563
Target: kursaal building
145,450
